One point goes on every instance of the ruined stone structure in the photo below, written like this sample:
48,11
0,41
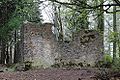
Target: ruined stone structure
86,47
38,44
41,48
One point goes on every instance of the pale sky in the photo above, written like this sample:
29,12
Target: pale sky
47,11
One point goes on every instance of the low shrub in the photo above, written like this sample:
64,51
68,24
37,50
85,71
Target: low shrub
106,62
116,65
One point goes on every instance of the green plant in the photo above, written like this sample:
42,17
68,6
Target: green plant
28,65
107,58
106,62
116,65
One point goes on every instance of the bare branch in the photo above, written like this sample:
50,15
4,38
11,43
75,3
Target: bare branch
87,6
117,1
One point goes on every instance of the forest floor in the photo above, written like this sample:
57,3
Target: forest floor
53,74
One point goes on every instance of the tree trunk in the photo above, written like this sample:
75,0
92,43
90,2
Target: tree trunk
15,48
21,45
3,56
60,25
0,50
10,56
7,54
100,27
119,48
101,18
56,25
114,30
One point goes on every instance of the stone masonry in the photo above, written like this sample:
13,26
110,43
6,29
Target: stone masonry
41,48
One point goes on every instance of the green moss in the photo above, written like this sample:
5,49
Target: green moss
56,65
106,62
28,65
107,58
40,63
80,64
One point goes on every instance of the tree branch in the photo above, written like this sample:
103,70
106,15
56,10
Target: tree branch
117,1
88,6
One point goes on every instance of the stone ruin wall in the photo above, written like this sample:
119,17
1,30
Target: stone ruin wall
86,47
38,44
43,50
